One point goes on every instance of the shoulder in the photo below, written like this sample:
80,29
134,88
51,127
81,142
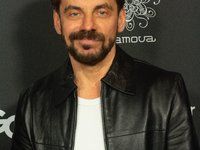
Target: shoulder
143,71
41,85
155,75
145,75
44,88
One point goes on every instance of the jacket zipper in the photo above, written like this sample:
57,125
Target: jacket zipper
75,119
103,117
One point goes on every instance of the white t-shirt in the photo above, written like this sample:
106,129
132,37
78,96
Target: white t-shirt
89,129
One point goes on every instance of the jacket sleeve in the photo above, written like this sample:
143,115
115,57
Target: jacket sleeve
181,132
21,136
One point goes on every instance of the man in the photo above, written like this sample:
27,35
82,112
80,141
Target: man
101,98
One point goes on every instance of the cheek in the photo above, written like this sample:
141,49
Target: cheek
66,31
112,31
69,27
113,27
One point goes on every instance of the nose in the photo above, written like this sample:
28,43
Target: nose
88,23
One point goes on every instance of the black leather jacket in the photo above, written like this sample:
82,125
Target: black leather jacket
143,108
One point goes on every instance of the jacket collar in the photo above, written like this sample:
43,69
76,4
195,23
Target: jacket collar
121,76
64,82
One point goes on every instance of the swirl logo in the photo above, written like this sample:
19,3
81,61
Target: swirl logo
5,124
138,9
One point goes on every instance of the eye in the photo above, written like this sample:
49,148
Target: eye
74,14
102,12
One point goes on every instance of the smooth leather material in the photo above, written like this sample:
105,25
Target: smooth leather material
143,108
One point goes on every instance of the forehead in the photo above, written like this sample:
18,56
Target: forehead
87,3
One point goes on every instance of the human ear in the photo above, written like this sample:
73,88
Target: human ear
57,24
121,20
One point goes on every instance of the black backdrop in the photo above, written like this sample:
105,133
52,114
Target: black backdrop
164,33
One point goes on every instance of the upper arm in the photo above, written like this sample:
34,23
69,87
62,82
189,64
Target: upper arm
181,132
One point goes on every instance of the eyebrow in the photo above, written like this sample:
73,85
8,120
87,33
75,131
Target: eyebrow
105,5
70,7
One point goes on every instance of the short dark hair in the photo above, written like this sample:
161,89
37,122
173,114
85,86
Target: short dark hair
56,4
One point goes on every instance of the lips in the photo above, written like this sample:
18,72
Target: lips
86,44
87,41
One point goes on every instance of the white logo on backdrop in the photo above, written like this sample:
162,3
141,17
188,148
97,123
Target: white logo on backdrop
135,39
5,124
192,109
137,9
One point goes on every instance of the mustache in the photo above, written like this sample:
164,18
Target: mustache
90,35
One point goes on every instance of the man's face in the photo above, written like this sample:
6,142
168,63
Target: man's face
89,28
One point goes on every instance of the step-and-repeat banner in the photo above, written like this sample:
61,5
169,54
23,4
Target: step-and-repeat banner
166,33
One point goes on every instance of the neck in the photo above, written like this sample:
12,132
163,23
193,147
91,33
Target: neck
88,78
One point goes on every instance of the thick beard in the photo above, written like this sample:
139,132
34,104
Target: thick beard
89,59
